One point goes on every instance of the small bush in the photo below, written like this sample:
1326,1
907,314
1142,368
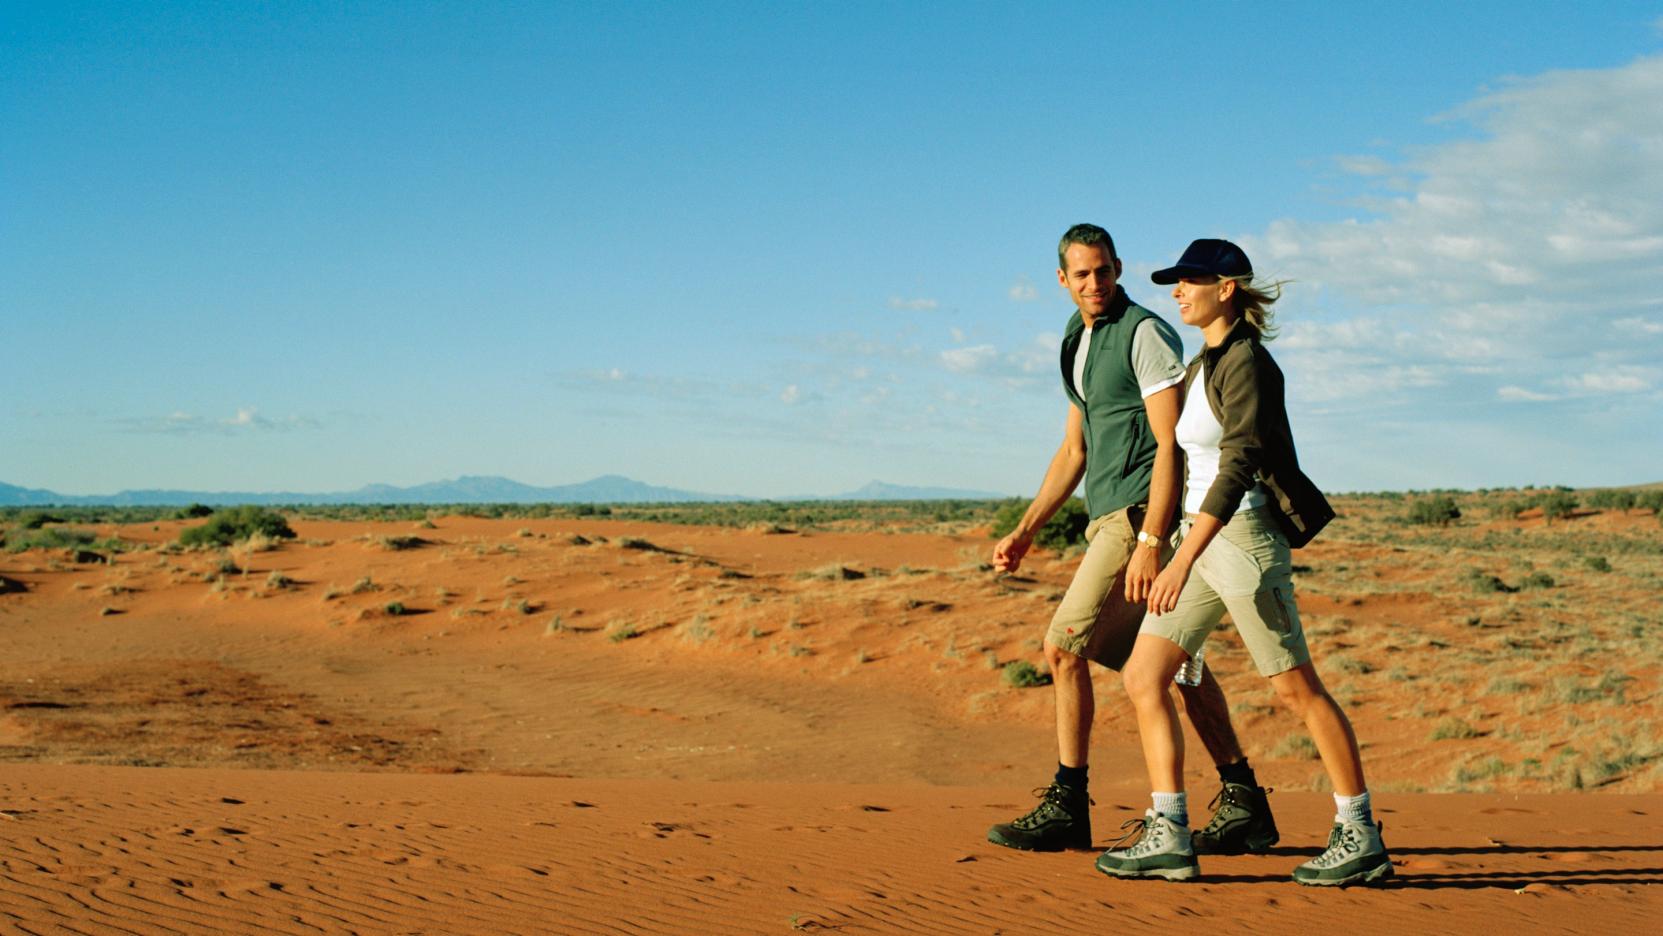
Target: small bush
1295,747
1067,527
1434,511
1485,582
35,519
401,543
1537,580
1612,499
55,538
194,512
236,525
1453,729
394,608
1020,674
1556,504
278,581
1596,563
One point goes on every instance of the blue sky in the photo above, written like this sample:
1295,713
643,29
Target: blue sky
781,249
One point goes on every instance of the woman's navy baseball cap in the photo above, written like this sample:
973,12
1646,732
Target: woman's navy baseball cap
1206,257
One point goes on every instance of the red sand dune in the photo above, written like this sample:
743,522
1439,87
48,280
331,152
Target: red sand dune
781,747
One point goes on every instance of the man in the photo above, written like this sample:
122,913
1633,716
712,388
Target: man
1123,372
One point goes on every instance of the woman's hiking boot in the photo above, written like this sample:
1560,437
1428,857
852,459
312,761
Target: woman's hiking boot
1241,823
1061,820
1355,855
1162,849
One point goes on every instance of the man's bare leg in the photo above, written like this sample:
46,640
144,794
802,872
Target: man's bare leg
1063,817
1076,705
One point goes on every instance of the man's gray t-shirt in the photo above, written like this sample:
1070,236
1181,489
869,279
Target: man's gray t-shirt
1157,356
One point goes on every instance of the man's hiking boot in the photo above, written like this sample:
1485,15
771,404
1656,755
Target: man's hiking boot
1061,820
1162,849
1355,855
1241,823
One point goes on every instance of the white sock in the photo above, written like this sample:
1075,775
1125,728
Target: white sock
1174,806
1353,808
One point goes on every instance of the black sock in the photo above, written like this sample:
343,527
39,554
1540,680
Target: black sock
1072,777
1239,772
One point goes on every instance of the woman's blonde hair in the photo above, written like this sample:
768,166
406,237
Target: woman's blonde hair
1252,302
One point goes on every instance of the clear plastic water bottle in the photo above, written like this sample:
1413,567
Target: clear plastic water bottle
1190,673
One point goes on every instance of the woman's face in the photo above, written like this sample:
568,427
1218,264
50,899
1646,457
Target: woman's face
1202,300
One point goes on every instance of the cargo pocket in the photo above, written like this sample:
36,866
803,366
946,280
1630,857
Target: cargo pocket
1275,609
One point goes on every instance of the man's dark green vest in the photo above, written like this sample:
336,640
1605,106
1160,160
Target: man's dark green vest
1120,449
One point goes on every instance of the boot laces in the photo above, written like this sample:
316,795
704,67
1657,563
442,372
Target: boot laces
1053,803
1344,843
1141,836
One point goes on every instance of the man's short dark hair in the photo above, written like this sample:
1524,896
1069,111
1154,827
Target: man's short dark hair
1088,234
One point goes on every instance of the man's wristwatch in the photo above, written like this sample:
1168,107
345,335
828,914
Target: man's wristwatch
1145,538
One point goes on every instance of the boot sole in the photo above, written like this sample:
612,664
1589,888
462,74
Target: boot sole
1021,846
1379,872
1250,847
1169,874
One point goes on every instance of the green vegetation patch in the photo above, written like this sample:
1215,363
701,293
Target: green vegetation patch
237,525
1067,527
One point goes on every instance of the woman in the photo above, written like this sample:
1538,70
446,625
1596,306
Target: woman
1245,500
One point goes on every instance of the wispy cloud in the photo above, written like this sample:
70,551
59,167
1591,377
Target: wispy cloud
913,305
245,419
1023,290
1532,243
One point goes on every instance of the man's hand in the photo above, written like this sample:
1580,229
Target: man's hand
1145,564
1008,552
1163,595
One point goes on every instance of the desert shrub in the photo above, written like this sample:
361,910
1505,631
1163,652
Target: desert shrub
1453,729
235,525
1295,747
1612,499
1433,511
395,608
1537,580
1485,582
1556,504
1067,527
1596,563
54,538
401,543
1650,500
194,512
1020,674
35,519
832,573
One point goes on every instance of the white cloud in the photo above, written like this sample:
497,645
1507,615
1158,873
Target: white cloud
1528,244
1626,379
1640,325
912,305
1512,394
958,335
790,395
969,360
1023,291
244,419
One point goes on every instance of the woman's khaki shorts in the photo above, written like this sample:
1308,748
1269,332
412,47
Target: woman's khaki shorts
1094,620
1246,570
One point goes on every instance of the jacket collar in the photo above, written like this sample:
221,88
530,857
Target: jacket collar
1241,331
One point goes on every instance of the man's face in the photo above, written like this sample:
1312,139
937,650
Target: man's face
1089,274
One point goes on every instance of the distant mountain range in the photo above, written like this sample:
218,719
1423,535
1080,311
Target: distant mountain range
469,489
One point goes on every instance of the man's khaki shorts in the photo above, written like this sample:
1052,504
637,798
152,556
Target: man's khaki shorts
1094,620
1246,570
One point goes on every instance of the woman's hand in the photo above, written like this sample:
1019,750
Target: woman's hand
1163,595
